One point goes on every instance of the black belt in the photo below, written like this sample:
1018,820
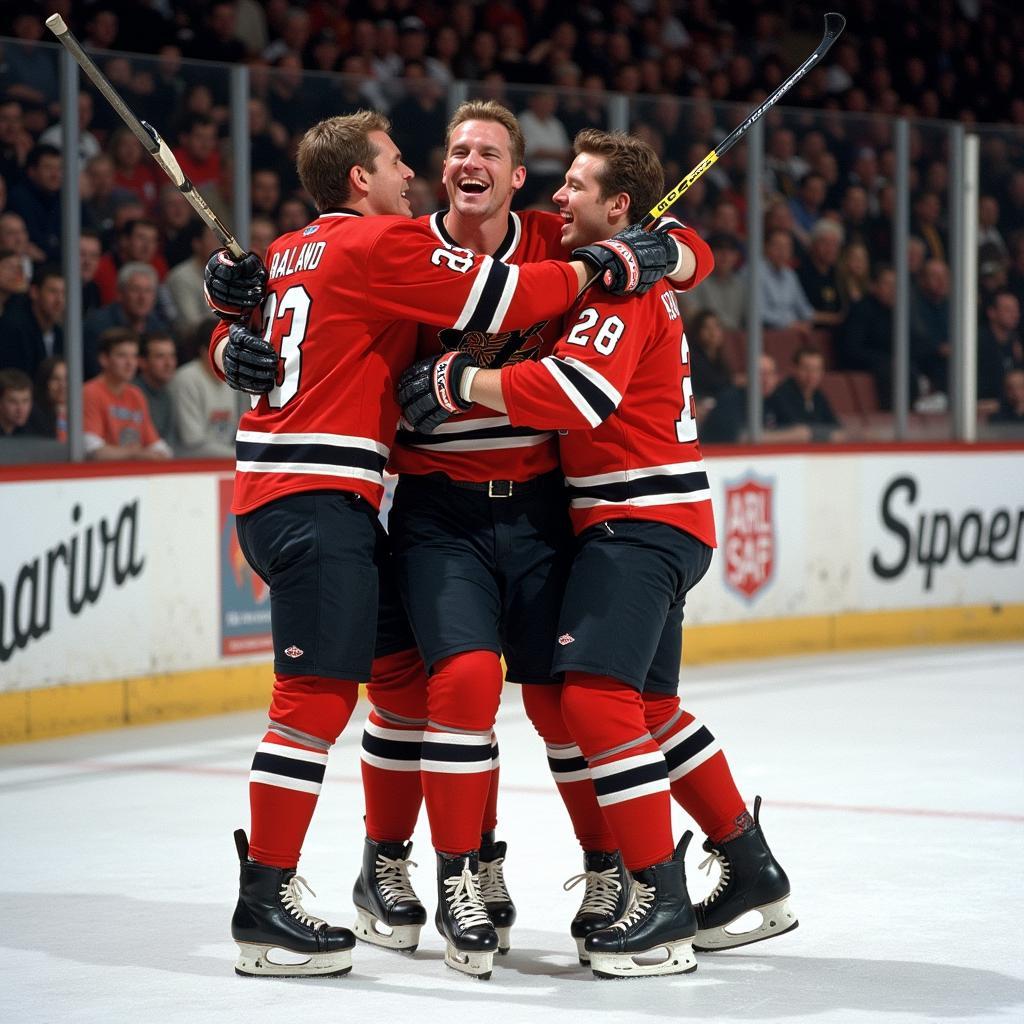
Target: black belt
498,488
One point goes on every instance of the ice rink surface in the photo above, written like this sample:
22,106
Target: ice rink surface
894,797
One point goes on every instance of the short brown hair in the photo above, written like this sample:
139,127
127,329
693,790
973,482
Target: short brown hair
14,380
630,166
490,110
114,336
331,148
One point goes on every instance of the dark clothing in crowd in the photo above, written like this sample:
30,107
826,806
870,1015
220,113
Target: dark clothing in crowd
789,408
41,213
865,343
22,343
995,360
710,376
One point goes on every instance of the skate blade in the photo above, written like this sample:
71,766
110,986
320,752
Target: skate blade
276,962
775,919
403,937
504,939
581,949
678,959
476,964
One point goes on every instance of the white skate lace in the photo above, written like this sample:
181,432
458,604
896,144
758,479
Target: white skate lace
291,897
464,899
393,879
492,880
714,857
640,899
601,895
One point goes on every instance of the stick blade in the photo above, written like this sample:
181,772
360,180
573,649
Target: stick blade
834,24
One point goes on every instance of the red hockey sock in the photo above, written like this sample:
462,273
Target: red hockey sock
701,781
307,714
462,702
490,819
392,746
606,718
568,766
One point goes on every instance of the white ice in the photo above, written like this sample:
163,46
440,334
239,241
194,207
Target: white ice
894,797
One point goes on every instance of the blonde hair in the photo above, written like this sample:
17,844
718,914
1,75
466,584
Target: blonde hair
331,148
630,166
490,110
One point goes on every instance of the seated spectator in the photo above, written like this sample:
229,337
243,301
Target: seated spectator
101,195
205,411
993,272
265,192
138,241
1011,406
783,301
158,359
14,236
925,224
548,147
50,400
15,403
90,250
31,70
88,147
420,118
32,331
37,199
263,230
726,423
198,153
185,281
135,309
1000,348
115,415
293,215
15,142
865,340
710,370
13,282
175,217
853,272
799,400
930,332
807,206
724,290
819,276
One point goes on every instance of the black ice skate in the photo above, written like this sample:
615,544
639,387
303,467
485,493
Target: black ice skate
275,936
500,908
388,912
659,918
751,880
605,896
462,916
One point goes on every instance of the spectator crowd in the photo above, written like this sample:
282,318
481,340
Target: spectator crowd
688,71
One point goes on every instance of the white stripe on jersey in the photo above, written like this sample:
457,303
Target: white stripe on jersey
474,295
311,469
582,405
645,500
485,444
459,425
622,476
340,440
511,283
584,369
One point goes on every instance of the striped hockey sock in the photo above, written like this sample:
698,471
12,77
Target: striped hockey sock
702,783
606,718
307,715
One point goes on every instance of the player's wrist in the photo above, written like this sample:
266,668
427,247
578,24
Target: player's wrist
466,383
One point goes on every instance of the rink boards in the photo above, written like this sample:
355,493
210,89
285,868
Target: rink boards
124,597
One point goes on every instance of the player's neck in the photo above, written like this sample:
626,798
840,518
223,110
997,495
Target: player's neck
481,235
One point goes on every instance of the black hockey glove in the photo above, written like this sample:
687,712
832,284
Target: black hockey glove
234,290
631,262
429,390
250,363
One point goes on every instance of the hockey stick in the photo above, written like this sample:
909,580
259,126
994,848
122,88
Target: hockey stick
147,135
834,25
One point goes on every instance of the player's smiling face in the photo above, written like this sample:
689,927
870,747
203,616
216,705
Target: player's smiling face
586,217
478,171
388,182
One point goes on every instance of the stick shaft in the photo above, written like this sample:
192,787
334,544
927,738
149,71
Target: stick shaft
147,135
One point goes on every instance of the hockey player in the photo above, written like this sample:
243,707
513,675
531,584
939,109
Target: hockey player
337,326
482,545
618,385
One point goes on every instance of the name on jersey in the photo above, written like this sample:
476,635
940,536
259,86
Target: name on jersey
298,257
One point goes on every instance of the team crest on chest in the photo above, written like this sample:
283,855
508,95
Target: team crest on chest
494,350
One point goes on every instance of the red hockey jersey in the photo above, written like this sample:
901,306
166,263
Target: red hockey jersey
481,444
343,300
618,384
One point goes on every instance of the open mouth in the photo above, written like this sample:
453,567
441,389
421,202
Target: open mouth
473,187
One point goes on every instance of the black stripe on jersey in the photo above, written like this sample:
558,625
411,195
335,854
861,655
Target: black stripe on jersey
490,298
644,486
598,401
494,751
639,776
486,434
566,765
289,767
393,750
319,454
456,752
690,747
